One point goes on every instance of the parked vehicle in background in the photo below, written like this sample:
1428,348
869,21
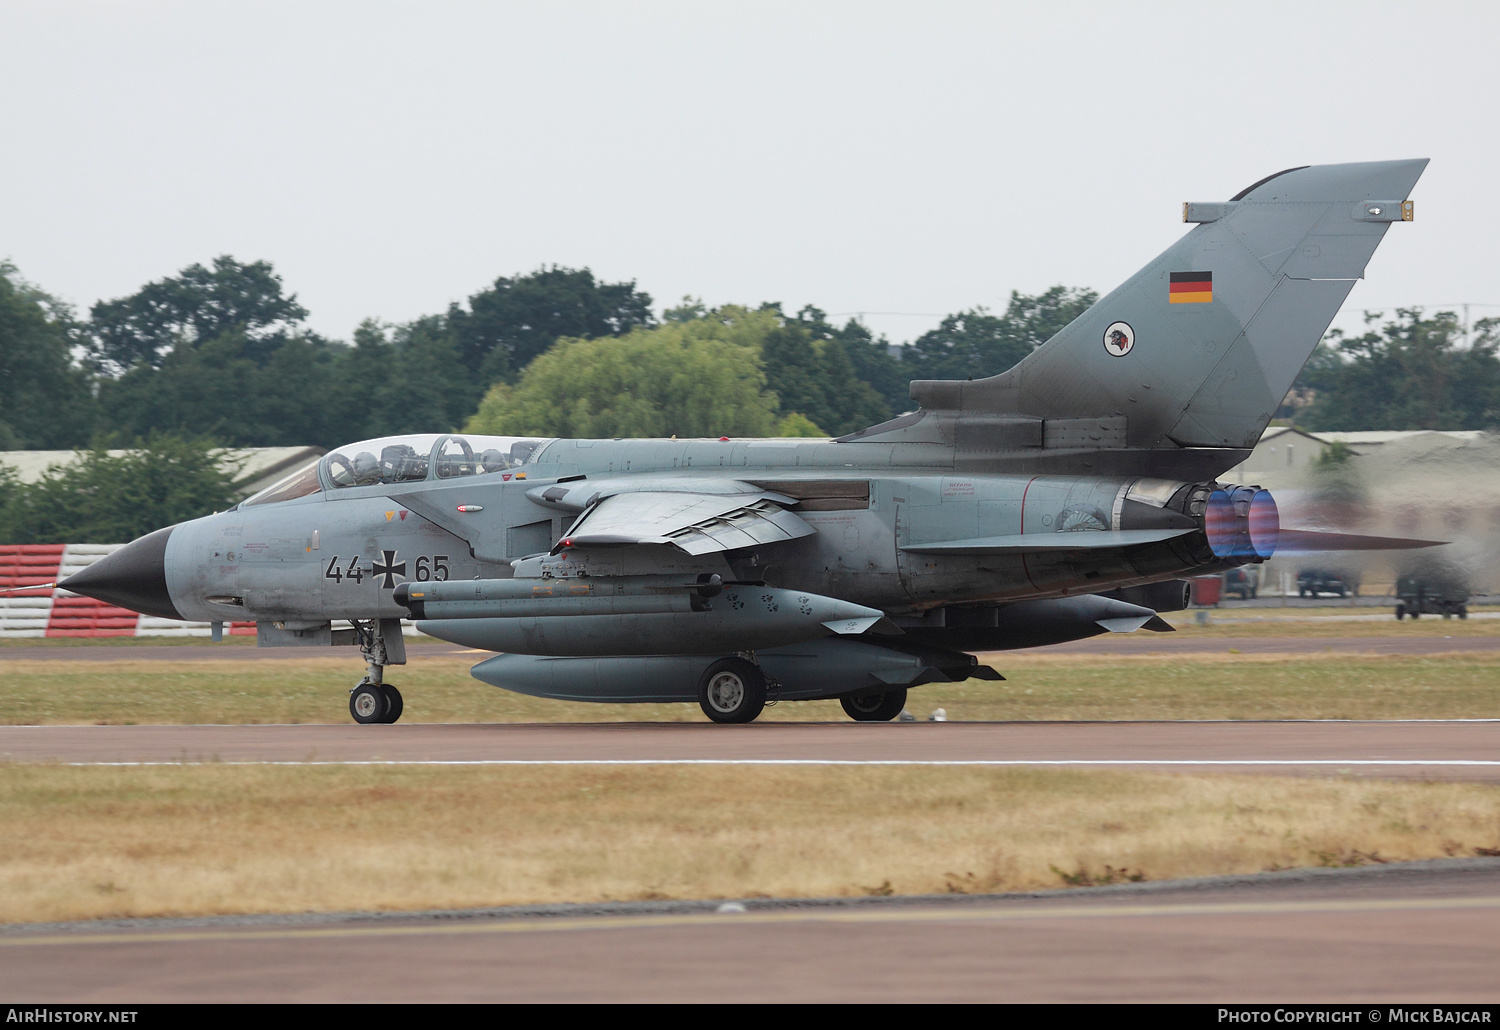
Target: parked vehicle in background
1244,582
1206,591
1417,596
1315,582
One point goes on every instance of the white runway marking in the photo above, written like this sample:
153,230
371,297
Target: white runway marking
1341,763
116,727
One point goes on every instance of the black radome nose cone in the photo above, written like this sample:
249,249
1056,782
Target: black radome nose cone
133,577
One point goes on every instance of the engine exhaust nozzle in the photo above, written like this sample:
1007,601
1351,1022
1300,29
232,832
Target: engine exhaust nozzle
1242,522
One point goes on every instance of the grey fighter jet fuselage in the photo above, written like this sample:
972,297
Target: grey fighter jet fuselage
1065,497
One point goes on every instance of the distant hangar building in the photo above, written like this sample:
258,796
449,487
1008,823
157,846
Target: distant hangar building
258,467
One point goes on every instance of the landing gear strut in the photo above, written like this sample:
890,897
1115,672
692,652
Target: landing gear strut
373,700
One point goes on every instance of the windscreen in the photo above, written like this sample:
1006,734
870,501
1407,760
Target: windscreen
299,484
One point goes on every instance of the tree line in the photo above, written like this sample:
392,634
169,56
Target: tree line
112,498
222,351
220,355
1416,371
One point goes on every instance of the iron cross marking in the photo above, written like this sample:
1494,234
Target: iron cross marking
390,569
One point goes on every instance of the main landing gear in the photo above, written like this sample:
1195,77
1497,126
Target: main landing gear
373,700
732,690
875,707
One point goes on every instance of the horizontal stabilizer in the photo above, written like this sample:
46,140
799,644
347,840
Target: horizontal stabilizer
1305,541
1087,540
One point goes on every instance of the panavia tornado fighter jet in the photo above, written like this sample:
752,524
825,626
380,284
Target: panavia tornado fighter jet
1068,496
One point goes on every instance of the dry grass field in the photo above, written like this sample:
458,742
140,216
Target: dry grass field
1038,686
184,840
84,843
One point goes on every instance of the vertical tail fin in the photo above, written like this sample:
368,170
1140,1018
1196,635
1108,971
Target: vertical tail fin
1198,348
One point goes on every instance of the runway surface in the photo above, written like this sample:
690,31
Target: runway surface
1428,750
1427,932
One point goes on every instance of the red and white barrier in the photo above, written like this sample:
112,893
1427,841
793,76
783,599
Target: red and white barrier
26,574
45,611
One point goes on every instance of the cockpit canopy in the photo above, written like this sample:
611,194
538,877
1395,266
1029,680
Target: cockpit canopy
404,459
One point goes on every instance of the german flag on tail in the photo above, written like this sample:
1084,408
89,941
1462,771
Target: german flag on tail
1191,288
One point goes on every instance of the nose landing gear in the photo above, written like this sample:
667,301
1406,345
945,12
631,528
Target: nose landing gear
373,700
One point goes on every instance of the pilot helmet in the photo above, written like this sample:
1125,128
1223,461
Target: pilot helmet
366,468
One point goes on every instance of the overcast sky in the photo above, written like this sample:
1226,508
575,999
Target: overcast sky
922,158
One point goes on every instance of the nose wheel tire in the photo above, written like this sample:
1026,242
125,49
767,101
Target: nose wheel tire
375,702
874,707
732,690
367,704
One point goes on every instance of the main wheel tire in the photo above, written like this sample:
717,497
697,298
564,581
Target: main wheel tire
732,690
1463,611
1400,612
393,702
874,707
368,704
